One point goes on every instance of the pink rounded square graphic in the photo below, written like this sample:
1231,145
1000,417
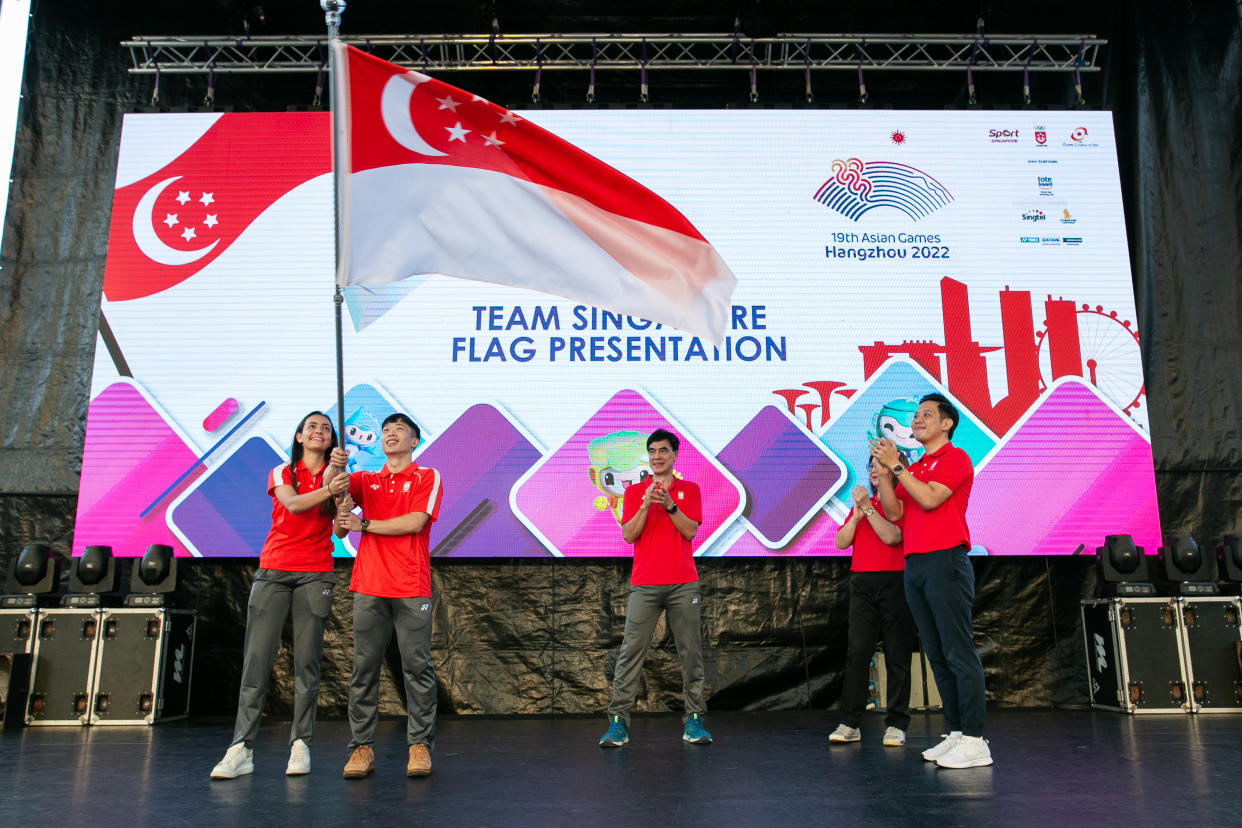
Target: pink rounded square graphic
573,517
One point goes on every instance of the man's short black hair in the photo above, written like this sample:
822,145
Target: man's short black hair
664,434
398,417
947,409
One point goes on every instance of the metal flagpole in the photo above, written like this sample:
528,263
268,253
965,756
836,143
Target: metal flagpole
332,16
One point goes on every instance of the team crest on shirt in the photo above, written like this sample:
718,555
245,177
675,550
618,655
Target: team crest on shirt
406,487
374,486
681,495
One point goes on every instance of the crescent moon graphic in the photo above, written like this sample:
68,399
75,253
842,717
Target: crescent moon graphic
395,110
149,243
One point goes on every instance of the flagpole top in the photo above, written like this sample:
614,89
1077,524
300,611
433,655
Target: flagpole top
332,11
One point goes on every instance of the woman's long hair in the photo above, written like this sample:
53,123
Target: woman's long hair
296,451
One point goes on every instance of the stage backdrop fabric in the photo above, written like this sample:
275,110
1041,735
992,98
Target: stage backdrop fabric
880,256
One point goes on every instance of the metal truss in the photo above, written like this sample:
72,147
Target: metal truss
995,53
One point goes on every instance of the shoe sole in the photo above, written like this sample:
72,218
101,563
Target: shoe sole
418,772
690,741
227,775
296,771
357,774
840,741
973,764
614,744
888,743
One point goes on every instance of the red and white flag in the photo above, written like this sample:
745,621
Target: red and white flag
436,180
175,221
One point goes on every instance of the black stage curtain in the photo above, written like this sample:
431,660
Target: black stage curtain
536,637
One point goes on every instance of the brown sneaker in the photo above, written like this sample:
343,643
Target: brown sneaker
420,761
361,763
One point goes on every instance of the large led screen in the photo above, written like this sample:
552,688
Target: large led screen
880,255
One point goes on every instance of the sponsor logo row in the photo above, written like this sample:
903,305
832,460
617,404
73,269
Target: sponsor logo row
1040,137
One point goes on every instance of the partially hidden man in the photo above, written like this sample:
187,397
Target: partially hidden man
660,516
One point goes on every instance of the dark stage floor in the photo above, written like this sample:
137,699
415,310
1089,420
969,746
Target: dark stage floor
1054,767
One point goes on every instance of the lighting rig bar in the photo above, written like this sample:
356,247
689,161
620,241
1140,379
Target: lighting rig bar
871,52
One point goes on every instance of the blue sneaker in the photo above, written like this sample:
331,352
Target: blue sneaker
694,732
617,735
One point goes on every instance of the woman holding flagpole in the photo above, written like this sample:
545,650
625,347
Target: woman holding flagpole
294,576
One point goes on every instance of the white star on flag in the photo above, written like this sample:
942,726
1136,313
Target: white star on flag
457,133
492,140
448,103
188,233
207,198
211,220
170,219
183,196
509,118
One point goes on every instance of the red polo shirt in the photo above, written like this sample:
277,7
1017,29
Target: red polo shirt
395,566
872,554
301,542
945,526
661,554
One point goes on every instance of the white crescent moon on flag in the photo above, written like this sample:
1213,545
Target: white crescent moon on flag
395,110
149,243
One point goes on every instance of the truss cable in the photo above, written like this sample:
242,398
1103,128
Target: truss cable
810,98
862,83
642,83
317,100
422,47
1026,72
209,100
1077,73
491,40
534,93
974,58
754,74
736,46
590,95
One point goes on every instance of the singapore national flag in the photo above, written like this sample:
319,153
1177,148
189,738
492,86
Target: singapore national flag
436,180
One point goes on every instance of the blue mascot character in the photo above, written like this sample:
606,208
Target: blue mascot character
362,441
892,422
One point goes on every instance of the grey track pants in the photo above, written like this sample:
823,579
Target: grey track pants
681,603
374,622
273,595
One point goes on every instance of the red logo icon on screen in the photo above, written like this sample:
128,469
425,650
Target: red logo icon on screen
1078,134
898,137
1041,136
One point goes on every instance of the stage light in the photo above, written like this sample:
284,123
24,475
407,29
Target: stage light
1123,567
35,571
1229,560
1184,569
91,576
152,577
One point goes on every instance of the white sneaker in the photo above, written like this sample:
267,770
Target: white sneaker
894,737
969,752
950,742
299,759
238,761
845,733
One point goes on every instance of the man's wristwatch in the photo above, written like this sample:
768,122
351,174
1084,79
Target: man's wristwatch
366,524
898,469
869,511
673,510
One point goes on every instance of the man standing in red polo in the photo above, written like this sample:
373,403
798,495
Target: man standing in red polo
660,516
392,590
931,497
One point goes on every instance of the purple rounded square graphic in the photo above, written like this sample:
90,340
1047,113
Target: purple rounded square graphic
228,513
787,473
479,457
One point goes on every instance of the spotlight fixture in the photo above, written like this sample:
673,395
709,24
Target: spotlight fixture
1123,567
152,577
1229,562
34,572
91,576
1184,569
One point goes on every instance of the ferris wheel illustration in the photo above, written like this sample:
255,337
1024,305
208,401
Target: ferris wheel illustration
1110,356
